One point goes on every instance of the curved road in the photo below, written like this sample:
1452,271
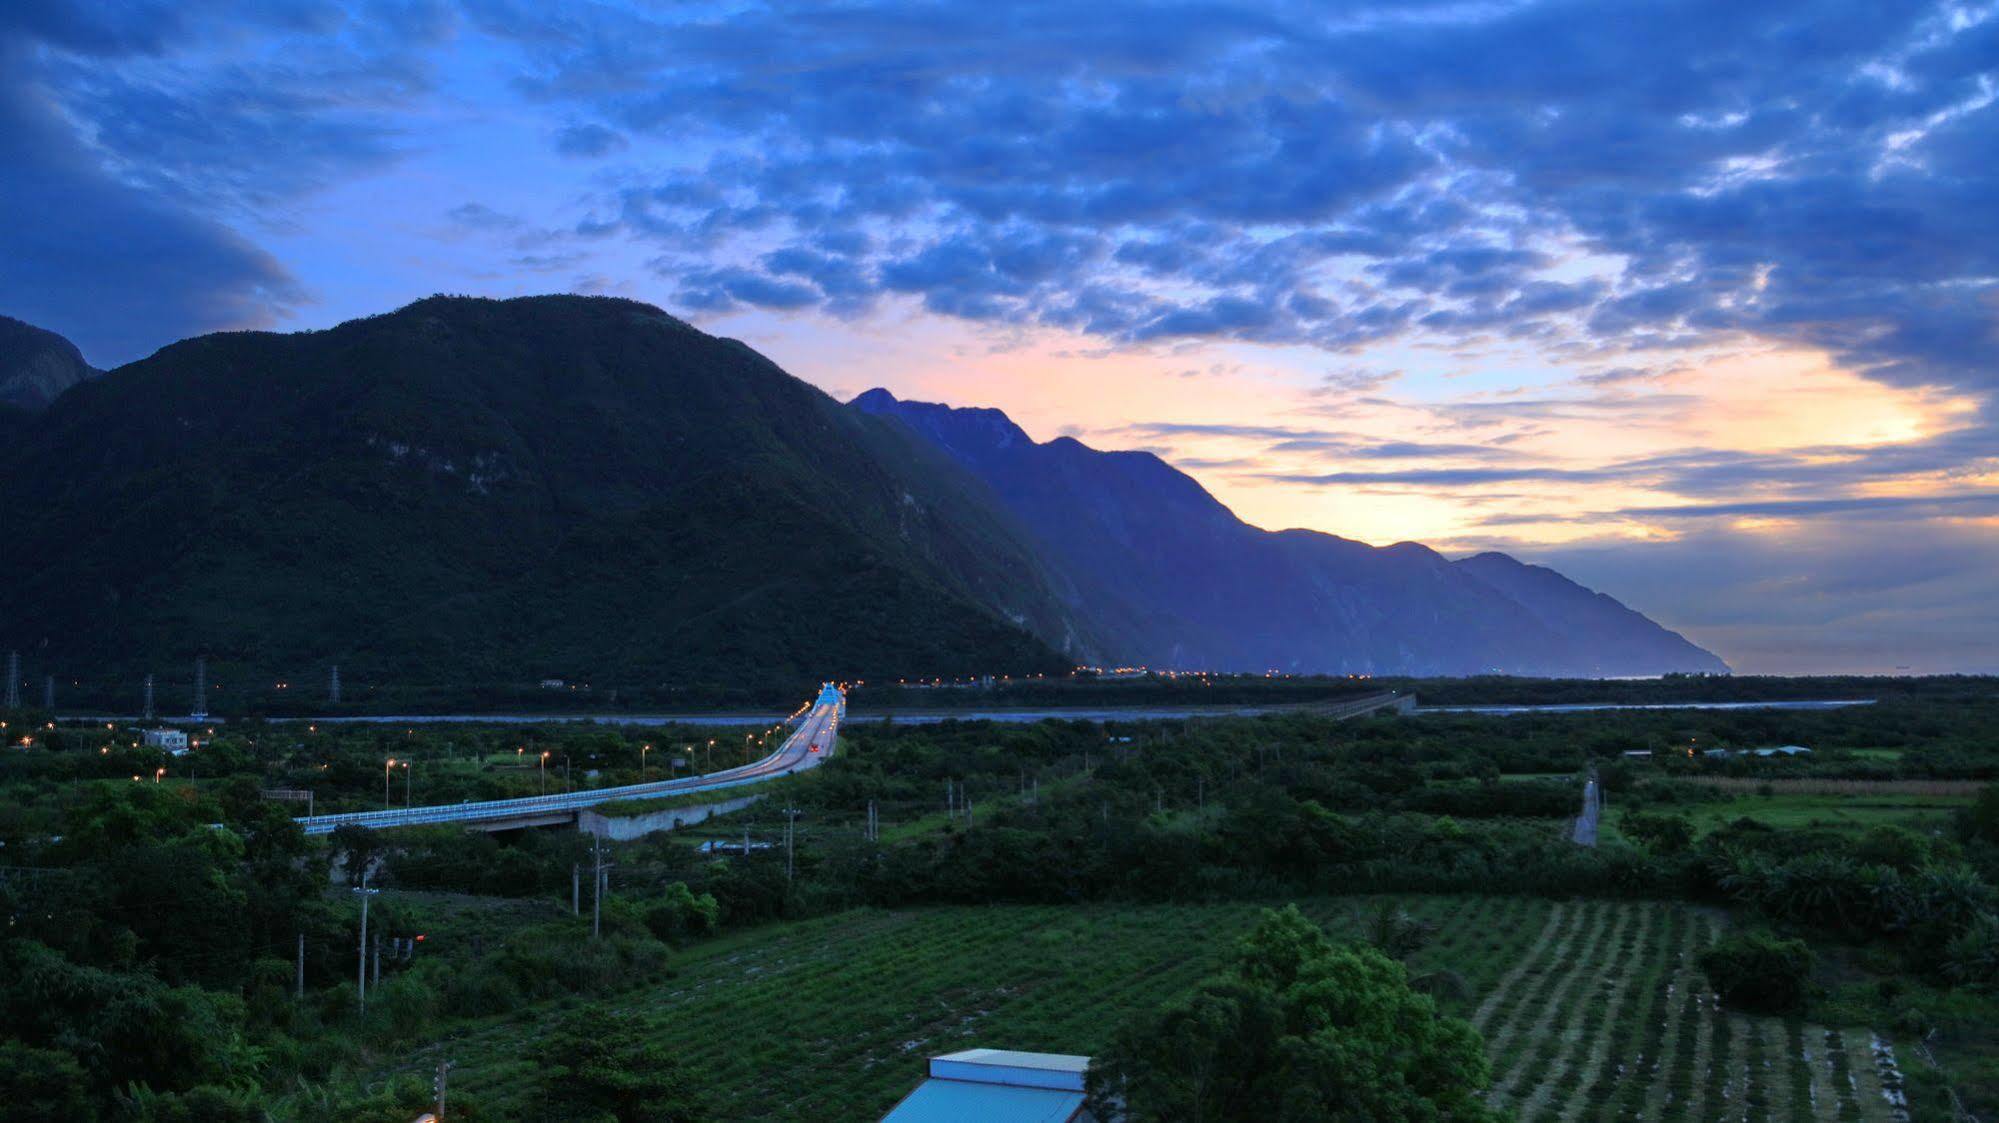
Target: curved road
809,744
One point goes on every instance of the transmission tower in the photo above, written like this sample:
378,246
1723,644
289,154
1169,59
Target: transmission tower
200,686
149,697
13,680
333,686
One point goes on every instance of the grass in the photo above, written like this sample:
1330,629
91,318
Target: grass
1855,812
1592,1010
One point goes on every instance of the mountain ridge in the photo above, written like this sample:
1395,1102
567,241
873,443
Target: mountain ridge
476,490
37,366
1309,601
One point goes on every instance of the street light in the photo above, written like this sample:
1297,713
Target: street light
386,769
643,750
544,771
157,773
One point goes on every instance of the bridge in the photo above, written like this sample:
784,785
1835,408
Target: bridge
807,745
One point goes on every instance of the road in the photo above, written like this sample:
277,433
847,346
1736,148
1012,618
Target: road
812,742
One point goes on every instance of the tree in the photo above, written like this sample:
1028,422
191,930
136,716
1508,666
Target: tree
1300,1028
1760,972
604,1065
1661,834
42,1084
1980,821
356,848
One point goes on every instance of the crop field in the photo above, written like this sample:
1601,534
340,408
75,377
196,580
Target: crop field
1851,811
1592,1010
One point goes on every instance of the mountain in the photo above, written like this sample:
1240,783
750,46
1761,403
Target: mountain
1171,578
36,366
480,491
1595,621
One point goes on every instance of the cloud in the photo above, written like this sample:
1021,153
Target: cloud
589,141
1438,165
80,241
1815,599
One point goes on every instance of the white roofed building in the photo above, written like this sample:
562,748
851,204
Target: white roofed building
998,1086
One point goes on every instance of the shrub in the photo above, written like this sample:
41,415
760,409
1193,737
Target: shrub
1760,972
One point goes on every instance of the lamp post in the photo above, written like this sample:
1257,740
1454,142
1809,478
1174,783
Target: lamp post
386,769
544,771
643,750
158,773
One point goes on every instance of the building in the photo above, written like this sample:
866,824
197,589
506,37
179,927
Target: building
172,740
998,1086
1785,750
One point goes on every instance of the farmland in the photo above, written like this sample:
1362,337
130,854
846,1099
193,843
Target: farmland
1832,809
1591,1009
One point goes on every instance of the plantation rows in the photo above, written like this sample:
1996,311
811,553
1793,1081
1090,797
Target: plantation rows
1607,1018
1591,1010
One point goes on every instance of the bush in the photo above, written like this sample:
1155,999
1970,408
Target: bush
1759,972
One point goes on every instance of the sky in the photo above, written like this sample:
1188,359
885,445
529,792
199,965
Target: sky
1696,302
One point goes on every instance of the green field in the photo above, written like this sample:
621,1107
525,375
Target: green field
1836,812
1591,1010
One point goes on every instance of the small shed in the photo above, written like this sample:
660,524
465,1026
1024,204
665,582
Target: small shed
998,1086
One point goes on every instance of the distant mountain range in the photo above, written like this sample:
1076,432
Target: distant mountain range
478,491
1171,578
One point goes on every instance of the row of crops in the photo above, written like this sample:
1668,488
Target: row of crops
1605,1018
1591,1010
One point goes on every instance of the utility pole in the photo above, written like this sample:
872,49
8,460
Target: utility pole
13,680
790,826
443,1075
362,983
298,987
597,891
575,889
333,686
149,697
49,693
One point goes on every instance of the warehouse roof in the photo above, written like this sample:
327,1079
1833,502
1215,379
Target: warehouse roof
997,1085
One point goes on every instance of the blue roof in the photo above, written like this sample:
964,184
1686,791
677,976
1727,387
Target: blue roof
956,1101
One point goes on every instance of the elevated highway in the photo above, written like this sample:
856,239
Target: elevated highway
811,742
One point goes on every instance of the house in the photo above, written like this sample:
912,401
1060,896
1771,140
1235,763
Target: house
1784,750
998,1086
172,740
1638,754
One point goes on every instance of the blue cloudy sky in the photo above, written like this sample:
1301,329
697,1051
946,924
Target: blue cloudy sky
1694,301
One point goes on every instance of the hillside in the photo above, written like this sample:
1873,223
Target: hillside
476,491
36,366
1173,579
